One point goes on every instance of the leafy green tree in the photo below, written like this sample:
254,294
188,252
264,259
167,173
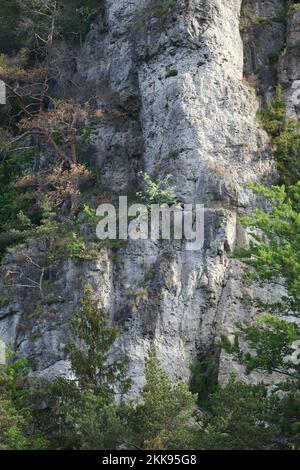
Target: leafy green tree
270,349
203,381
271,343
47,22
274,252
241,417
162,415
274,116
90,363
17,430
285,137
13,199
76,18
84,413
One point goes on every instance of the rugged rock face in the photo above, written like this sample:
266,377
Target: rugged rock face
180,105
271,48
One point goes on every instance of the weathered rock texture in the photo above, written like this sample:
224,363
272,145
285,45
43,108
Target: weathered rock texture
197,122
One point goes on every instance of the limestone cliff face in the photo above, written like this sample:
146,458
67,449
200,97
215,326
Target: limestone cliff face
197,123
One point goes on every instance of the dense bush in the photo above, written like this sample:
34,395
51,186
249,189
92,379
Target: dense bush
17,430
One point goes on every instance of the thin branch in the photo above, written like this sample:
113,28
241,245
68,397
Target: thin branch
20,99
41,39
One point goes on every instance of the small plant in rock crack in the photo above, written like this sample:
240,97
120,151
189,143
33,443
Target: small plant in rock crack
162,7
171,73
157,192
174,153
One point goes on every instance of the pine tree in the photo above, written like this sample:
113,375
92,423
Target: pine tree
84,410
162,415
240,417
17,430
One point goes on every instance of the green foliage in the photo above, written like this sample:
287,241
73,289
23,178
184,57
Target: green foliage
70,19
162,7
270,342
171,73
90,422
263,20
83,411
292,7
17,430
204,381
76,247
13,199
90,364
157,192
9,17
285,135
289,8
163,411
71,244
43,231
274,251
12,427
288,416
21,19
273,58
58,235
174,153
269,349
76,17
274,116
241,418
84,414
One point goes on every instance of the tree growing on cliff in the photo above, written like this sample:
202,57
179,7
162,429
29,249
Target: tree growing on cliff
87,410
17,430
285,137
33,117
239,416
273,342
274,254
162,415
84,412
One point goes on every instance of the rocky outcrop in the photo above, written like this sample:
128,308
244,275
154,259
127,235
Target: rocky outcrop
271,35
170,84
